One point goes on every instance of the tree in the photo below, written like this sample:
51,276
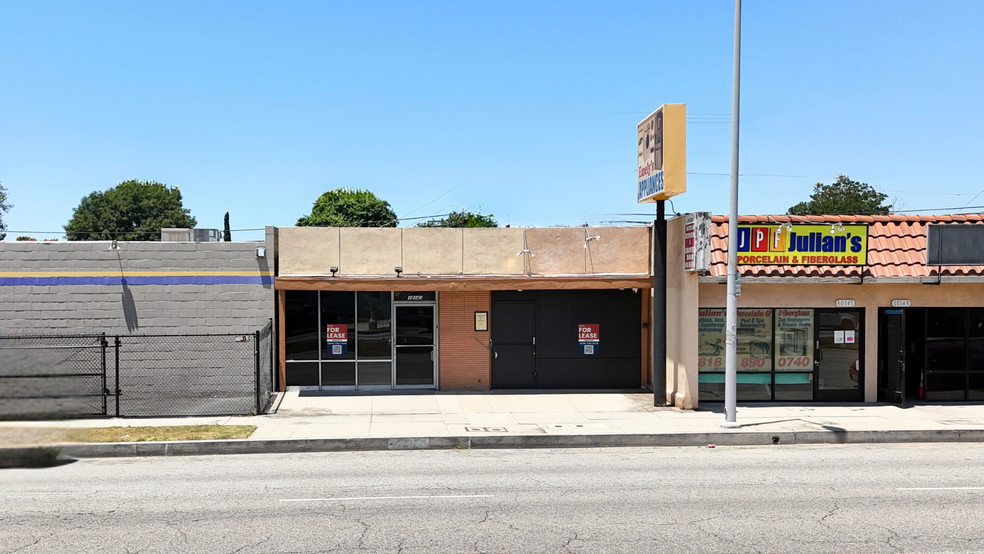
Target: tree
463,218
132,210
843,197
226,232
4,208
345,207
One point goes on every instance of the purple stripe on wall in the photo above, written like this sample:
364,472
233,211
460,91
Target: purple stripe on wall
135,281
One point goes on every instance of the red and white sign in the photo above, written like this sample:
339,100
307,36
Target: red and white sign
337,339
588,338
588,331
337,332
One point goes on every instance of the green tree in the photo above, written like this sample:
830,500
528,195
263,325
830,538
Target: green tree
226,232
4,208
463,218
132,210
349,208
843,197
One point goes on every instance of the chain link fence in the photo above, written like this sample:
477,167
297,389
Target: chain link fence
52,375
136,375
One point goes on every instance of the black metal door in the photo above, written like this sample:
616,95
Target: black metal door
891,354
513,345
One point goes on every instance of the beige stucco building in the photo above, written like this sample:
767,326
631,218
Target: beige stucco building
832,308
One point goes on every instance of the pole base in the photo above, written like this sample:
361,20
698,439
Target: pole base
730,424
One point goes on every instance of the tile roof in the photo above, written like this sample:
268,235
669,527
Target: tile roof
896,247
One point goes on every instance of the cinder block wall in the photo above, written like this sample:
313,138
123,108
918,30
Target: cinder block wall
464,352
140,288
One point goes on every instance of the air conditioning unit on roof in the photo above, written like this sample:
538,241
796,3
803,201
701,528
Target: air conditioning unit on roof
207,235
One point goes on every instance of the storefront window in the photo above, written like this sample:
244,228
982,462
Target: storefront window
753,347
776,353
301,326
375,318
754,344
710,346
975,340
946,349
794,340
337,311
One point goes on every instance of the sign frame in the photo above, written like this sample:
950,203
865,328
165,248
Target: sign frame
481,321
662,154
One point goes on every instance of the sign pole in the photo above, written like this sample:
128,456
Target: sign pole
659,305
731,336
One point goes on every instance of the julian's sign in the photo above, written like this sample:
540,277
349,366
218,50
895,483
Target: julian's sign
802,244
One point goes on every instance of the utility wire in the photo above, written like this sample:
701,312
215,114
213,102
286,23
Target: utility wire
155,233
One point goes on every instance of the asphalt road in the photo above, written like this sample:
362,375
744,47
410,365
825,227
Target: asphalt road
844,498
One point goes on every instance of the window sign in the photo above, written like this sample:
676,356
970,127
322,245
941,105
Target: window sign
710,332
754,345
588,338
337,337
754,334
794,340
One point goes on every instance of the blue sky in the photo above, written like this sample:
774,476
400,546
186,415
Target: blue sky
525,110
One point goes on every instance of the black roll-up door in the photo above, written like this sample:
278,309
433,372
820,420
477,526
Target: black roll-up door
535,339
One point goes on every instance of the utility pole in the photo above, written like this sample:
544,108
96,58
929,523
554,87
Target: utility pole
731,325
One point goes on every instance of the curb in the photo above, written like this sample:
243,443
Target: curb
284,446
25,457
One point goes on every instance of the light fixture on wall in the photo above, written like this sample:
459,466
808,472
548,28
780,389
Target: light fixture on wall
333,269
114,246
836,227
588,238
261,252
398,269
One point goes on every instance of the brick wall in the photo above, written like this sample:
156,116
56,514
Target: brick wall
464,352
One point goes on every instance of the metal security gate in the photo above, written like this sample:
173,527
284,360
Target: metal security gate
537,343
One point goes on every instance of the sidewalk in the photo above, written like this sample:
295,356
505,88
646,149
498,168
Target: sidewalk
306,422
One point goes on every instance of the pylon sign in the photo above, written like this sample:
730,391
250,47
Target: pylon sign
662,154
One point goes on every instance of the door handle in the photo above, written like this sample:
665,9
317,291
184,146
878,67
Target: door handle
819,355
496,354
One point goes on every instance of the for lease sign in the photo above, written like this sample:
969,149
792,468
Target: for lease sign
588,338
337,337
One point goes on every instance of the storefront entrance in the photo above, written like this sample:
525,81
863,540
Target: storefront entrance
360,340
415,360
930,354
838,358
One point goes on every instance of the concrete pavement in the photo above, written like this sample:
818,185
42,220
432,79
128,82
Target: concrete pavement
311,421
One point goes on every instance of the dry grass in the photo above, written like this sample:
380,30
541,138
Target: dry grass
169,433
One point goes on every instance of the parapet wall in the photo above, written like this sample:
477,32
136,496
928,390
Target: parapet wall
312,251
140,287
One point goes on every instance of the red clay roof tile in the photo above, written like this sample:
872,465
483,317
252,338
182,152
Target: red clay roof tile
896,246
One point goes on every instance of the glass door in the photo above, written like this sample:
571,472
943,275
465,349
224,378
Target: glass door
837,358
416,348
